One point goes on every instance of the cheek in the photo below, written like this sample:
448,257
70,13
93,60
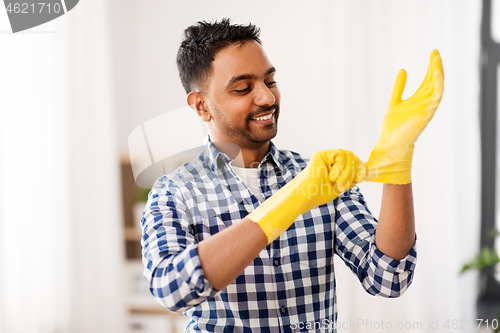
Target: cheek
232,110
222,100
241,107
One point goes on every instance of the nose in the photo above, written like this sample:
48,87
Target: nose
264,96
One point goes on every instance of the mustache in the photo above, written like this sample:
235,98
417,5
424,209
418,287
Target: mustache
263,109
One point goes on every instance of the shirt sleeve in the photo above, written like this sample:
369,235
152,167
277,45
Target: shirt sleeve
355,243
170,253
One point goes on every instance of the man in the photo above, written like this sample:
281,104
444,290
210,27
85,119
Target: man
243,237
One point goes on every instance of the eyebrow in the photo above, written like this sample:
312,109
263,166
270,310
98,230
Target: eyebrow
249,76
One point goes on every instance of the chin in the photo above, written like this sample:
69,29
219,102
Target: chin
264,138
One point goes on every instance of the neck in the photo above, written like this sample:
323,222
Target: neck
253,156
243,157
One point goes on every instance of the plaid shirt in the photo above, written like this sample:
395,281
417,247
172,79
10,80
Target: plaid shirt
291,284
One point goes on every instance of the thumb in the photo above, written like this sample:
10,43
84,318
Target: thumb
397,89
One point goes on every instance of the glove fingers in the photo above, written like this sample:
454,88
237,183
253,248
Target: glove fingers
337,165
438,64
338,172
437,94
435,91
428,75
346,169
434,63
438,78
349,174
397,89
355,170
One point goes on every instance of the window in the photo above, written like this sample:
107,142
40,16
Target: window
489,290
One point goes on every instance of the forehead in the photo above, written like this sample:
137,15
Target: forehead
237,59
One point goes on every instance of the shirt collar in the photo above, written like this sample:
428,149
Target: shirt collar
216,159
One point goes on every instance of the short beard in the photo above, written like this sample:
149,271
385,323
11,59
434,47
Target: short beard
261,110
246,137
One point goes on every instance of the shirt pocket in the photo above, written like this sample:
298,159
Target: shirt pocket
308,256
313,242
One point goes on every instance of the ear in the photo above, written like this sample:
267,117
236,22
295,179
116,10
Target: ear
196,101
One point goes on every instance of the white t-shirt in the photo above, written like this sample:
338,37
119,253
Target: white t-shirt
251,179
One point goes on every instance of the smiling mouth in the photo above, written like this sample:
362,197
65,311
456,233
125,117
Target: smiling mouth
269,116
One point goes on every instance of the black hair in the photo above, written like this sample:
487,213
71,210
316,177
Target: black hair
202,41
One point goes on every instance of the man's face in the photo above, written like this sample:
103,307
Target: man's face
243,98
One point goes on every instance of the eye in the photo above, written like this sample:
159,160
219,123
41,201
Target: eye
247,89
271,84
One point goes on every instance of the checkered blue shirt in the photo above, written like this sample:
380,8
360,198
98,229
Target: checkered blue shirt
291,284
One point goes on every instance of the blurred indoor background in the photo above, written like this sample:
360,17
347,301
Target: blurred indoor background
73,89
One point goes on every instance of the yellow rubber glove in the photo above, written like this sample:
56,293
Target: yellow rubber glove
328,174
390,159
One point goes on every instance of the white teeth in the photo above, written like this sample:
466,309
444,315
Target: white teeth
264,117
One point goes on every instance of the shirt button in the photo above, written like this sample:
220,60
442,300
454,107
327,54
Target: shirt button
276,262
283,309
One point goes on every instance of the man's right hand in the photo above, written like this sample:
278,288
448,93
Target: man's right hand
328,174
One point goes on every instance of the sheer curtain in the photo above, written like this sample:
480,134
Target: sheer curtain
60,234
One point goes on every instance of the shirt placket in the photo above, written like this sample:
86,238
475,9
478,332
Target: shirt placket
274,249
